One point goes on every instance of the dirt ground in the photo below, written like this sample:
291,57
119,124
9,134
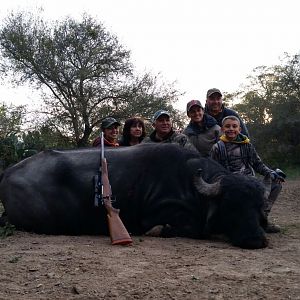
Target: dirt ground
88,267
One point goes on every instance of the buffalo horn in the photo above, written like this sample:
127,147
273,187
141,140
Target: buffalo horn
204,188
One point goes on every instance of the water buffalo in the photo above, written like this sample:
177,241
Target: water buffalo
53,193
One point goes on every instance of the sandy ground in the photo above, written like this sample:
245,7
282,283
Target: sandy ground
67,267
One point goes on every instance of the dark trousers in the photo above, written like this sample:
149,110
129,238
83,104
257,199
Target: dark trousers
275,191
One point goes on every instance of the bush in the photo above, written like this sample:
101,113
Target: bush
7,230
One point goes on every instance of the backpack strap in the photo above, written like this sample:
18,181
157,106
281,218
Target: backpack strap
246,154
223,154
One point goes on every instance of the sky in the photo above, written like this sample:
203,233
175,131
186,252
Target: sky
197,44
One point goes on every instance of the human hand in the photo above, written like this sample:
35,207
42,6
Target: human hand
278,177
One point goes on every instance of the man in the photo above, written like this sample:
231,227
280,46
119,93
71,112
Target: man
203,130
215,107
110,128
164,133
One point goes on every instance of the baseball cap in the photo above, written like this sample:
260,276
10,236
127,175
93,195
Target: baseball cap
212,91
158,114
107,122
192,103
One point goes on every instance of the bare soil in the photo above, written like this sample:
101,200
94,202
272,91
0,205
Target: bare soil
89,267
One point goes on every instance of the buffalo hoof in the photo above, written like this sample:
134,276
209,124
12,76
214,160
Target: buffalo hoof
155,231
161,231
272,228
253,243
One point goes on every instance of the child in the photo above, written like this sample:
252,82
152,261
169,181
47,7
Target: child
235,152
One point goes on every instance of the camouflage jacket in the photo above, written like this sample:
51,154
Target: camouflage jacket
172,137
239,158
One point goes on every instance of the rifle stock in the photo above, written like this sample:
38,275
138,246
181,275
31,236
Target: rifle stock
117,231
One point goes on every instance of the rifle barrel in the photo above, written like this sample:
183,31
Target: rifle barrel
102,145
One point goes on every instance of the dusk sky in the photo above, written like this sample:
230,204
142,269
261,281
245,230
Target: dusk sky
198,44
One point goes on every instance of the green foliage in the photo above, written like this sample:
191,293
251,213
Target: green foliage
41,139
292,172
15,259
10,126
7,230
45,137
271,108
8,151
16,145
85,69
10,119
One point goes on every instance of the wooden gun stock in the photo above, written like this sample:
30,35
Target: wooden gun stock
117,231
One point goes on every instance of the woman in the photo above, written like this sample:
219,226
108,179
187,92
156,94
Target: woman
133,132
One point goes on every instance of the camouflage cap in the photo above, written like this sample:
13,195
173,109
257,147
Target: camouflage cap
160,113
213,91
109,121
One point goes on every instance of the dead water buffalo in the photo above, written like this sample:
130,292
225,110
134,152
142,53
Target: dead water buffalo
53,193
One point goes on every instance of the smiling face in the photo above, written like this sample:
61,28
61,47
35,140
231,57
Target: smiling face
111,133
214,103
231,128
196,114
136,130
162,125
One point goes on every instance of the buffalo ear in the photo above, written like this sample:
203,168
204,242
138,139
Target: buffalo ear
204,188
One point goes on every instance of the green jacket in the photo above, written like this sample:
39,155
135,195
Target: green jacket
239,157
172,137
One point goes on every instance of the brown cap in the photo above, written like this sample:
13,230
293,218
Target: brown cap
192,103
213,91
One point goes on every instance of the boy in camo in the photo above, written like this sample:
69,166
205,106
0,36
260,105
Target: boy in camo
235,152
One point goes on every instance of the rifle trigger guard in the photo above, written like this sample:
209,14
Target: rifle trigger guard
111,198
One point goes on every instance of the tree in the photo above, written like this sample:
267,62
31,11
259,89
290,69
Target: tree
45,138
271,107
87,72
10,119
10,126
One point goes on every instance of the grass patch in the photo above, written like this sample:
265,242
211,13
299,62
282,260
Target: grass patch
14,259
292,172
1,208
290,228
7,230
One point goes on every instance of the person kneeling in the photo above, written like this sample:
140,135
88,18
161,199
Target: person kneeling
235,152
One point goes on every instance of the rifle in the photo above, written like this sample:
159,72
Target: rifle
118,233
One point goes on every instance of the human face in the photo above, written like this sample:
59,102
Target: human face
136,130
214,103
196,114
111,133
162,125
231,129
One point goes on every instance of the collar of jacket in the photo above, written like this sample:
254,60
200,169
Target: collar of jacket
155,139
240,139
110,144
194,128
